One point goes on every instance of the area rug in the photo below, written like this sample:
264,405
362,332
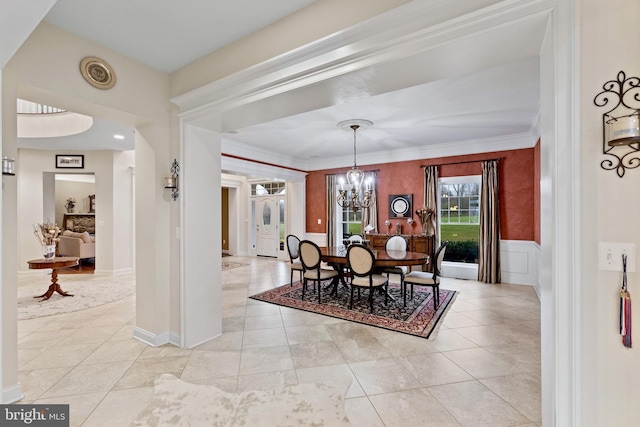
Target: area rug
178,403
88,291
230,265
417,318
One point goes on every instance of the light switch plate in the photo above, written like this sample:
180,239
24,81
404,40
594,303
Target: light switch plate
610,256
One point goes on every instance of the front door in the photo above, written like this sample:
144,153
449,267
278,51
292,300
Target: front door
267,227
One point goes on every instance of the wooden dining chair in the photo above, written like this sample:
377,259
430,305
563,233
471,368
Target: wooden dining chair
397,243
310,257
293,247
361,262
421,278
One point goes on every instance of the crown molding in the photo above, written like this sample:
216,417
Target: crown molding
475,146
259,170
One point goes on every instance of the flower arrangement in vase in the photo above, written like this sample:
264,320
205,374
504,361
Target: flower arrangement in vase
425,216
47,234
70,204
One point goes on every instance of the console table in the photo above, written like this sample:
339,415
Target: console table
415,243
54,264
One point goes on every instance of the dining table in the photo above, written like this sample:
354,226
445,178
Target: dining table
336,256
383,258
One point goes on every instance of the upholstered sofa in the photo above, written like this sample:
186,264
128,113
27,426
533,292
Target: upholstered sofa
81,245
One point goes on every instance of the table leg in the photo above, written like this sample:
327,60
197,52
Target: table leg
339,269
53,287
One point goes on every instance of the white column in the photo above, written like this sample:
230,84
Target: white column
11,390
200,195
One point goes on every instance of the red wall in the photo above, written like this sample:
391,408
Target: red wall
536,193
517,190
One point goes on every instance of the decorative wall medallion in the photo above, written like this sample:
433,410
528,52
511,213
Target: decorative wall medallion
97,72
400,206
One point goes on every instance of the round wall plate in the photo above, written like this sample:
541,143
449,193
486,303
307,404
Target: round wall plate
97,72
400,206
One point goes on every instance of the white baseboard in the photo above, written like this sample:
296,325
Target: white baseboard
174,338
12,394
151,339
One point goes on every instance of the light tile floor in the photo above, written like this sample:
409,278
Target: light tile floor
482,369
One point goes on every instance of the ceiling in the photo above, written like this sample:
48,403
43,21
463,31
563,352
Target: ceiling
496,95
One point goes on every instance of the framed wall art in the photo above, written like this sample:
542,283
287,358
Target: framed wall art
400,205
69,161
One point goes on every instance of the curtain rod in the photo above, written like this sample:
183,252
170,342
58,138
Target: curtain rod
460,163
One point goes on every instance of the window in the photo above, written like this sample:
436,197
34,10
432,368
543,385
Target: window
349,222
266,188
460,217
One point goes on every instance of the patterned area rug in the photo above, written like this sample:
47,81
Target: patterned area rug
179,403
88,291
230,265
417,318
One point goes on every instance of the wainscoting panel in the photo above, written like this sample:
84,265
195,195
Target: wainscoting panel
319,239
519,262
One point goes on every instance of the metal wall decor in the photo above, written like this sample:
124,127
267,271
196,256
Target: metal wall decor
171,182
8,166
97,72
621,124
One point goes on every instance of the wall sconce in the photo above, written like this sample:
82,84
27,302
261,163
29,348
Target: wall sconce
8,166
621,124
171,182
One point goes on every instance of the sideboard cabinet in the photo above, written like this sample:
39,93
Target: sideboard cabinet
415,243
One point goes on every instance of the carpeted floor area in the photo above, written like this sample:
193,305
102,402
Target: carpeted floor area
418,317
88,291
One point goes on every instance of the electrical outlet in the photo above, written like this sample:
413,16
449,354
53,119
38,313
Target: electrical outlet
319,221
610,256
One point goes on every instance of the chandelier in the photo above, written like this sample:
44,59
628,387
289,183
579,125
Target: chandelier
355,176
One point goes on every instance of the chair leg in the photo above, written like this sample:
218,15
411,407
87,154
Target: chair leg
411,292
319,292
386,294
351,299
304,288
436,296
371,300
291,279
